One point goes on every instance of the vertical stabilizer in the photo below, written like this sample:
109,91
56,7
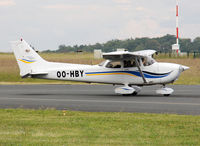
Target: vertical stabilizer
28,60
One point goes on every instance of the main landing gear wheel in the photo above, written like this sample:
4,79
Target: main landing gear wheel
128,90
126,94
167,95
134,93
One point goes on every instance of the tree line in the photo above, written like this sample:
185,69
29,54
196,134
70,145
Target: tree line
161,44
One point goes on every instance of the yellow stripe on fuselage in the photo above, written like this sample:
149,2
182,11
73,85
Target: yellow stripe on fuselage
25,61
111,74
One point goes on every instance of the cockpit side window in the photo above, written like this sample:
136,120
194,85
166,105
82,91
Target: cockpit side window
129,63
114,64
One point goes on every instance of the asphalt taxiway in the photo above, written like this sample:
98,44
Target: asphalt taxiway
100,98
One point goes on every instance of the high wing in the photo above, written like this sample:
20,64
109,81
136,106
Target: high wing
121,55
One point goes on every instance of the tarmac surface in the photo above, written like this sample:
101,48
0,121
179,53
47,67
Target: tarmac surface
100,98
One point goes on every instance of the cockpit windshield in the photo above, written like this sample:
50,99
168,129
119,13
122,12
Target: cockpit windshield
102,63
147,61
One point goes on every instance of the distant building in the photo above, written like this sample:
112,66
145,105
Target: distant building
121,49
176,48
97,54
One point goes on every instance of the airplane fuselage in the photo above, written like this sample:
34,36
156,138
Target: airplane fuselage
157,73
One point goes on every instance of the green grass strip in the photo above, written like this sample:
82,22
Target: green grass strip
53,127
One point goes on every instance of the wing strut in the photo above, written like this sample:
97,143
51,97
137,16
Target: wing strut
141,73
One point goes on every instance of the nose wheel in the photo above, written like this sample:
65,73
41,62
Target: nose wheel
165,91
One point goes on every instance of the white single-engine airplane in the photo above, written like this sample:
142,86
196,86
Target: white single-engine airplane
130,69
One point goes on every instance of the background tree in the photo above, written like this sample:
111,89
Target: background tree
161,44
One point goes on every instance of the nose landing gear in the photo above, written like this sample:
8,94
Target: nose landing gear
165,91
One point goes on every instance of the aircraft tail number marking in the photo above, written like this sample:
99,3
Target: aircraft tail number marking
72,74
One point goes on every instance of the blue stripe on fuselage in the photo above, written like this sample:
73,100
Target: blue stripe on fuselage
136,73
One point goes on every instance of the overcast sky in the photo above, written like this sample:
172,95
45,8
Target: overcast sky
48,23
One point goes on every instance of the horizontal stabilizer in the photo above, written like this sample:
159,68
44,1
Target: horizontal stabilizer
35,73
39,73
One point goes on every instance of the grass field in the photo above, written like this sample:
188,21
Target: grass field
52,127
9,72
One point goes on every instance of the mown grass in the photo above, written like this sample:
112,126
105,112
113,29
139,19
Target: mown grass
52,127
9,72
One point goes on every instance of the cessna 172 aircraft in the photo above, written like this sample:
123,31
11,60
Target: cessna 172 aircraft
130,69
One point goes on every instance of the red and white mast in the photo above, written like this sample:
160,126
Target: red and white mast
177,26
176,47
